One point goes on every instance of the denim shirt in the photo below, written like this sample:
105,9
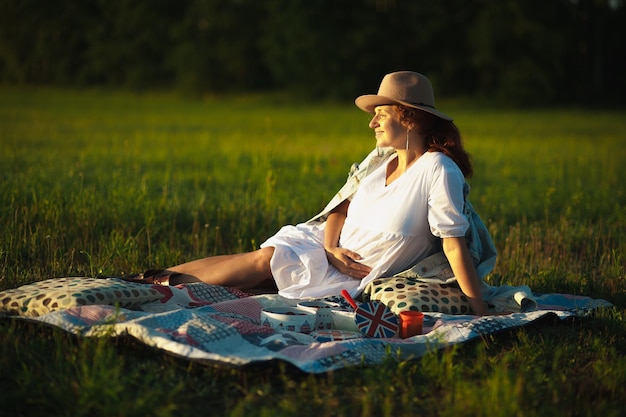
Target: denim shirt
435,267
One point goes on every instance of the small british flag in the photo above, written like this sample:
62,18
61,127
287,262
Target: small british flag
374,319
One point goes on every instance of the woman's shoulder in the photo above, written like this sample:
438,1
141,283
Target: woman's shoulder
439,158
443,163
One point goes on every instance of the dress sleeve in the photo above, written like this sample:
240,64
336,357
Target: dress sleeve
446,200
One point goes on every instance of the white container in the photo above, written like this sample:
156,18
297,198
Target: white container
293,319
344,320
324,320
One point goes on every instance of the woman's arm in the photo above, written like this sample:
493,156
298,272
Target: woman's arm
334,224
458,255
343,259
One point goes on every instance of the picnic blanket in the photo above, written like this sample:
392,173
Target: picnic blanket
201,322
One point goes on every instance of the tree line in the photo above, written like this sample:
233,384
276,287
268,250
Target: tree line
525,52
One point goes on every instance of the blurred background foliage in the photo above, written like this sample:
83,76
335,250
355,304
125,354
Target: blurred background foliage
517,52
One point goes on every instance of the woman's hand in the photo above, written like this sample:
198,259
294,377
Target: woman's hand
346,261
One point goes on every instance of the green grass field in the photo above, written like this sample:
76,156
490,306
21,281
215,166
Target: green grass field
100,183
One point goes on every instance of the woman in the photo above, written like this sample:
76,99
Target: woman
404,203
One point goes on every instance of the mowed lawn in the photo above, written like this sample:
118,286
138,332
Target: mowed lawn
107,183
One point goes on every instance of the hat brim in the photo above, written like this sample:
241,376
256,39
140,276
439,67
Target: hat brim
369,102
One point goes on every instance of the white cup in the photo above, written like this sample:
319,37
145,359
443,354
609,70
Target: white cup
324,319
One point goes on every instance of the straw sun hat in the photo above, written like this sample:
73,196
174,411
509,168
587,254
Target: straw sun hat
403,87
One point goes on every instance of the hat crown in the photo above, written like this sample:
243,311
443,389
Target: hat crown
408,86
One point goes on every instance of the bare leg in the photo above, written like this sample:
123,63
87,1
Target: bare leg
241,270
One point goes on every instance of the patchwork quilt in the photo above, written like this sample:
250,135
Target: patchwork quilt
201,322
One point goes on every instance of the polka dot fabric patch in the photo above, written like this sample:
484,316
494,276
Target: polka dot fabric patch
401,294
61,293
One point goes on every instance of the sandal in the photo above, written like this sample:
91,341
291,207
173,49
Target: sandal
152,277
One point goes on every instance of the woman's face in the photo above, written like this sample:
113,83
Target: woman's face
387,127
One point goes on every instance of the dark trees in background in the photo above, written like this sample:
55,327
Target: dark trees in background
528,52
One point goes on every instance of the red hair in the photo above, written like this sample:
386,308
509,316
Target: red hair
440,135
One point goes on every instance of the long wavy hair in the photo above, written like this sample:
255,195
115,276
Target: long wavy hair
441,136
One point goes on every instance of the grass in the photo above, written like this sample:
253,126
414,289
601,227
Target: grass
108,183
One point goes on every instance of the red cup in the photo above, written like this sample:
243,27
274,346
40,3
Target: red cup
411,323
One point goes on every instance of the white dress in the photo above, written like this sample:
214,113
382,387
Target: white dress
391,226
